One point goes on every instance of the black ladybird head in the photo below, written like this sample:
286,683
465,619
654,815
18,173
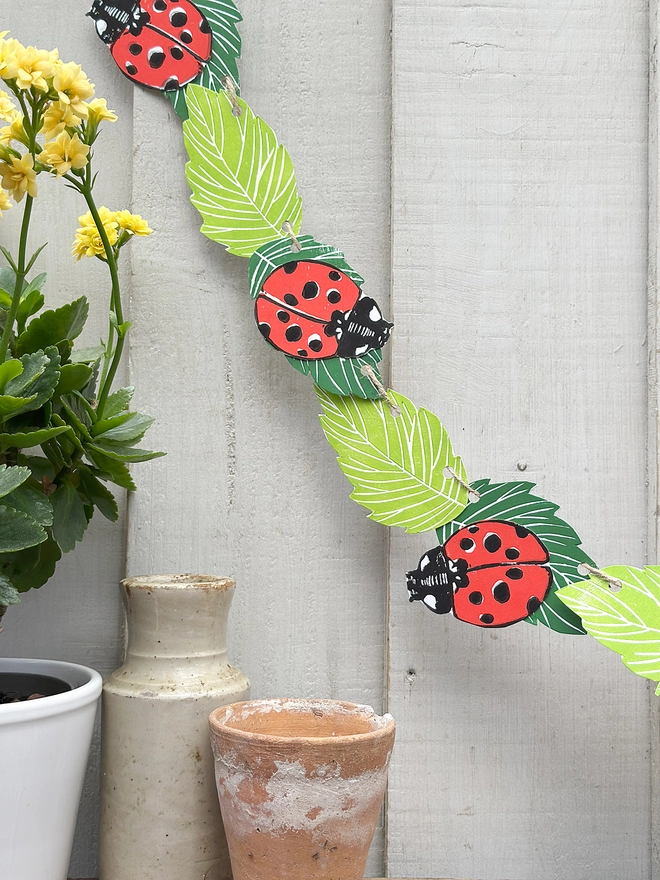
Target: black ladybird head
432,582
360,330
113,17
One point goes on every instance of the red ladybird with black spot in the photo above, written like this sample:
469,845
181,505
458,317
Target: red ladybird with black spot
491,573
161,44
312,310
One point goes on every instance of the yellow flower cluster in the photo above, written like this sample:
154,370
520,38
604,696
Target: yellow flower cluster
119,227
68,117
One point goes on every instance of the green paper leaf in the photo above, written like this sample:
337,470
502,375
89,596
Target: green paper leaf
274,254
18,530
342,375
12,477
223,16
9,595
69,517
397,465
242,180
28,439
626,621
514,502
54,327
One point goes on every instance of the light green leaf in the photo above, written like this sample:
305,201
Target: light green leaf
117,402
118,452
29,438
222,15
87,355
132,428
73,377
18,530
9,370
515,503
37,381
242,180
9,595
342,375
397,465
626,621
12,477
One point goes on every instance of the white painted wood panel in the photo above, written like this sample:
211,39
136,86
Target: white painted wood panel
519,275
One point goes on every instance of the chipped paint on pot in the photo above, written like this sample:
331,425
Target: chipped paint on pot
300,784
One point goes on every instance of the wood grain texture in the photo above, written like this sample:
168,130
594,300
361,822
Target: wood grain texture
519,270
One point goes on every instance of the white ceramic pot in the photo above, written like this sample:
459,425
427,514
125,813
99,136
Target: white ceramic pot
44,746
160,818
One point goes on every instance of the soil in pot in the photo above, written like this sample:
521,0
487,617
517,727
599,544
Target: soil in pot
15,687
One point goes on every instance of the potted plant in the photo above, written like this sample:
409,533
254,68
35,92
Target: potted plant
65,434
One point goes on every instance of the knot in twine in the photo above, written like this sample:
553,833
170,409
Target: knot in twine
613,583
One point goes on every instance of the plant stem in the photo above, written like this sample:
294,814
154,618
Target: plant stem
20,278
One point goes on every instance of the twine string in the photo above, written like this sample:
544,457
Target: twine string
612,582
287,229
452,473
367,371
230,87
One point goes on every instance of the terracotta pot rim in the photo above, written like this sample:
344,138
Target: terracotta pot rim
179,582
384,723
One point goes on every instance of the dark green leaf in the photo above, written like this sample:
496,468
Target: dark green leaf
54,326
31,501
32,568
118,402
37,381
9,595
109,469
69,518
29,306
18,531
117,452
72,415
73,377
39,466
343,375
28,439
34,256
132,428
12,477
8,257
515,503
98,494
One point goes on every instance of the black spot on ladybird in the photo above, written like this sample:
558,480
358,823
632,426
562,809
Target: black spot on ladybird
283,316
178,18
473,530
302,353
334,296
290,299
492,542
522,532
156,57
486,618
160,6
476,598
467,544
131,69
135,48
186,37
511,553
171,85
176,52
291,267
533,605
316,343
310,290
334,276
264,329
501,592
514,574
293,333
204,26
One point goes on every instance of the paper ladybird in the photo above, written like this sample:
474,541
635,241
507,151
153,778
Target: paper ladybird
312,310
490,573
161,44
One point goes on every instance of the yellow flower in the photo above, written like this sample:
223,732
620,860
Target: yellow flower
73,87
87,242
65,153
56,118
5,204
18,176
8,111
34,67
98,111
132,223
8,57
14,132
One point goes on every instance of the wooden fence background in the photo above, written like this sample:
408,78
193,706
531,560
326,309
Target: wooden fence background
485,167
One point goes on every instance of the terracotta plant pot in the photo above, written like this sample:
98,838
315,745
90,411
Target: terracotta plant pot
300,784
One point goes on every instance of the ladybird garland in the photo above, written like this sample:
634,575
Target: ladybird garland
491,569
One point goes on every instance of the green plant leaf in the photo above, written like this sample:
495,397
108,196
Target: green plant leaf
242,180
9,370
223,16
118,452
274,254
626,621
12,477
28,439
98,494
9,595
118,402
69,517
110,469
32,502
397,465
73,377
514,502
132,428
88,355
37,381
31,569
54,327
18,530
342,375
